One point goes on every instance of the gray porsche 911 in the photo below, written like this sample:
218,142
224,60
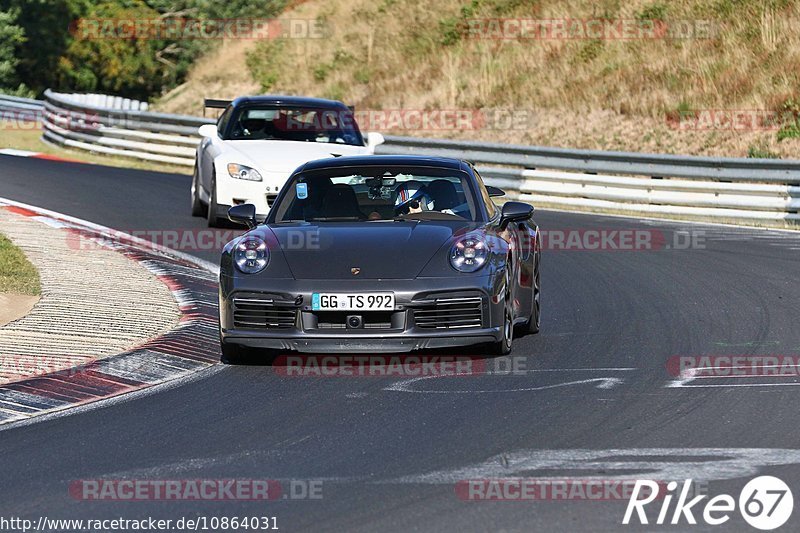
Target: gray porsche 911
380,254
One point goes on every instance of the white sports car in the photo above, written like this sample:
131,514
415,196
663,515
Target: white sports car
259,140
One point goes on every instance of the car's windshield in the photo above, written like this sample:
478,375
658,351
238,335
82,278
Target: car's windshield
377,194
272,122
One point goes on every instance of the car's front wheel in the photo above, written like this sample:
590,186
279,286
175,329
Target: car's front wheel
503,346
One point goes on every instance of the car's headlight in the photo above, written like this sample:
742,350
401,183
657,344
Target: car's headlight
242,172
469,254
251,255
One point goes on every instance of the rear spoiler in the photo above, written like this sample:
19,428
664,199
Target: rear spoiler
215,103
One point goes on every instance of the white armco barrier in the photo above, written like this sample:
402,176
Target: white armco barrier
729,189
120,127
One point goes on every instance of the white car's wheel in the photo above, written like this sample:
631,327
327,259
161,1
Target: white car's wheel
213,219
198,208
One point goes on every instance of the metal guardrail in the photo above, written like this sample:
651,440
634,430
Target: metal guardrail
160,137
105,101
707,187
596,161
731,189
23,107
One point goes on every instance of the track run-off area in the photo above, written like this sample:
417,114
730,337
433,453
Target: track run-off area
625,381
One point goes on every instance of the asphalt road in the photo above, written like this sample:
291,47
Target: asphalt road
388,453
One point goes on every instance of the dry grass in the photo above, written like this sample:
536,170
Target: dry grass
601,94
222,73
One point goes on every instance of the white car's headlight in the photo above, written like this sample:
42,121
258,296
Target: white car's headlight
469,254
251,255
242,172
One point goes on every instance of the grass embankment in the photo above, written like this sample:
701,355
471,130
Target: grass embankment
17,274
609,93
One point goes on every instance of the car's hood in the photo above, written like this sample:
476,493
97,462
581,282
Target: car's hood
380,250
285,156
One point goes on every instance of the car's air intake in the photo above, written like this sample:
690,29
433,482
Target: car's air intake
450,313
262,314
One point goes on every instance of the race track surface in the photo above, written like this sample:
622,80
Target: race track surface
389,452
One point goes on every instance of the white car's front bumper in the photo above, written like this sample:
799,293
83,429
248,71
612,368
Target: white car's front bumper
232,191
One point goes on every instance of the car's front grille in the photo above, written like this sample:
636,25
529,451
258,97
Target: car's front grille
450,313
271,197
253,313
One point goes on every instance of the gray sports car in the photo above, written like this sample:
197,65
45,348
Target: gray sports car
380,254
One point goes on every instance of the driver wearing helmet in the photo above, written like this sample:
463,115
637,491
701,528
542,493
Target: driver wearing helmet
411,197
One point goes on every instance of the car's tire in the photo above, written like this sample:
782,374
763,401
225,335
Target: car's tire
233,354
536,312
198,208
213,220
503,346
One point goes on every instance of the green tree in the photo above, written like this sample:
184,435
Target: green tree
41,43
46,25
11,36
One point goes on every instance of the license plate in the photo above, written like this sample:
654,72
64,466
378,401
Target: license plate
359,301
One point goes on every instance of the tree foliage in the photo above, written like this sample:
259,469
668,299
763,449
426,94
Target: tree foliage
11,36
43,43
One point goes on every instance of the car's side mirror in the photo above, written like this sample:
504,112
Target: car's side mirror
243,214
207,130
515,212
495,191
374,139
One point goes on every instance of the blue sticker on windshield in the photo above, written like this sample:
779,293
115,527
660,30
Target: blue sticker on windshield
302,190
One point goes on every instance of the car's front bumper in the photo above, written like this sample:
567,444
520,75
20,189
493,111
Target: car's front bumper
231,191
394,343
430,313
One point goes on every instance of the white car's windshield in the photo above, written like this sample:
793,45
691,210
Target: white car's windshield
270,122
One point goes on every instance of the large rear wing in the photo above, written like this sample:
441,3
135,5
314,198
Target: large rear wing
214,103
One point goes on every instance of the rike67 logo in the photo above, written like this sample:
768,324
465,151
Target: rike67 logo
765,503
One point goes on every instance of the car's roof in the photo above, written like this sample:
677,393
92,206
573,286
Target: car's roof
300,101
386,160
